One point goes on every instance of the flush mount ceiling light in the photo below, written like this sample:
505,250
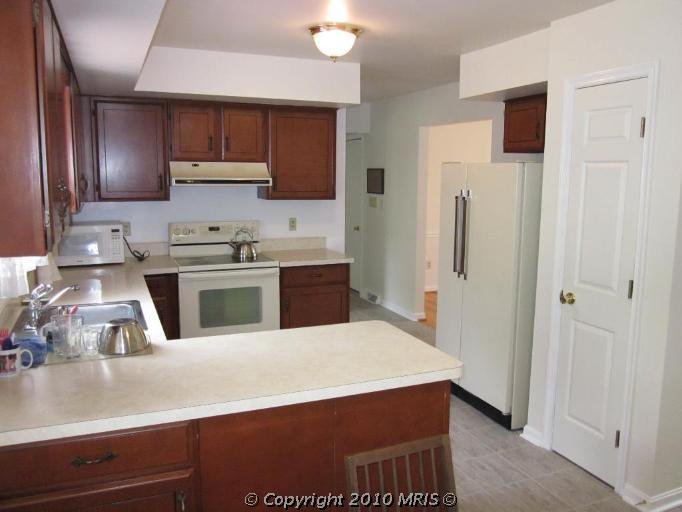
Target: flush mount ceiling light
334,39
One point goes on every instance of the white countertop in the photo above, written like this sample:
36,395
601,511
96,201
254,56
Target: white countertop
305,257
201,377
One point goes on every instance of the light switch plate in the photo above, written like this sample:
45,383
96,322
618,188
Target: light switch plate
293,223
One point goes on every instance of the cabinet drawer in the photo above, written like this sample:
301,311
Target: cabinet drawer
314,275
62,463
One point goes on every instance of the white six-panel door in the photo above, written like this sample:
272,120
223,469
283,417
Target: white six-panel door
604,193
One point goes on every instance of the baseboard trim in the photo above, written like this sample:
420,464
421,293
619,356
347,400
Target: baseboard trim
534,436
402,312
658,503
491,412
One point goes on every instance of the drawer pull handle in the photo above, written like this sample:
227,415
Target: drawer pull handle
182,500
80,461
316,275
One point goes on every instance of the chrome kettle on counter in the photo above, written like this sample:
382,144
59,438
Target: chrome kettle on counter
244,249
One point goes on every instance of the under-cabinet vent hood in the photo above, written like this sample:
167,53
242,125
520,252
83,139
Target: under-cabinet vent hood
225,174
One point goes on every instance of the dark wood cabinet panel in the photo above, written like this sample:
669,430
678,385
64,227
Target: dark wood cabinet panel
302,154
164,291
524,124
165,492
314,305
195,132
376,420
23,232
287,450
59,464
300,449
314,295
131,151
244,135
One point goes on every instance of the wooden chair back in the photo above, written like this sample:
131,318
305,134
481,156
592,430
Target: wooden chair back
421,466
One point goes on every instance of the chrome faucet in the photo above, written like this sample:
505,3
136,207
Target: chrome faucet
35,303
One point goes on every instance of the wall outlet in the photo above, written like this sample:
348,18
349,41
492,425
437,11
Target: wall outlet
373,202
127,230
293,223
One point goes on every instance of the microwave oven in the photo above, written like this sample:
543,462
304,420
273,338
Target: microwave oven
91,243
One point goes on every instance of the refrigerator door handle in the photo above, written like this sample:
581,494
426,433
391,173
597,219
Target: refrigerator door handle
456,245
463,234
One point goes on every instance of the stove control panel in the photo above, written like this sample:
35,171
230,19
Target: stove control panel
186,233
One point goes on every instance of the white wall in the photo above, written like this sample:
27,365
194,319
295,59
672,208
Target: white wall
392,231
461,142
245,76
496,70
624,33
315,218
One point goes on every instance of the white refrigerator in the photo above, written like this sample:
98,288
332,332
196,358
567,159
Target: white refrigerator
489,226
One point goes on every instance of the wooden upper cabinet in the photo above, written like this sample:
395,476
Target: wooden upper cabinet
524,124
302,154
243,135
195,133
21,222
131,148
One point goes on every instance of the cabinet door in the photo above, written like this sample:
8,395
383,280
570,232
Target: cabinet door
21,222
286,450
131,151
302,154
524,124
243,135
166,492
314,305
195,133
164,291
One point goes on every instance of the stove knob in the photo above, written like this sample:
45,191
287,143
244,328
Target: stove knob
177,232
185,231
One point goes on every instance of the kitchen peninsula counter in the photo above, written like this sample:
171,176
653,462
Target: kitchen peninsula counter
202,377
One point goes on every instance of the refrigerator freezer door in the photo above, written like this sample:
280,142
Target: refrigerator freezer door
489,295
449,320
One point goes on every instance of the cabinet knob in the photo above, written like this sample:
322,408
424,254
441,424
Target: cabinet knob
210,142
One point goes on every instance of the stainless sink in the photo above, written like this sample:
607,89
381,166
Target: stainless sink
98,314
93,314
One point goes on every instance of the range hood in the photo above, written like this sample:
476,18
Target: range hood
225,174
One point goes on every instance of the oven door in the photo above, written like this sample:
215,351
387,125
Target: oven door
228,301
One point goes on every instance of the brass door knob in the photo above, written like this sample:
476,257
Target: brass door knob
567,298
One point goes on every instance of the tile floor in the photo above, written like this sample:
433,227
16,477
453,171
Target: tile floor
496,470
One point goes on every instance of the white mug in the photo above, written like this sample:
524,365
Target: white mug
10,362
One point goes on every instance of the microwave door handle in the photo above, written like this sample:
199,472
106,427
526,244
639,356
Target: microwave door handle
455,248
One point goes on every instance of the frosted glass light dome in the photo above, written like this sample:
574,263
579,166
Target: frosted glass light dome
334,40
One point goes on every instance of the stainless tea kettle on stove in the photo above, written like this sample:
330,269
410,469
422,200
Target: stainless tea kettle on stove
244,249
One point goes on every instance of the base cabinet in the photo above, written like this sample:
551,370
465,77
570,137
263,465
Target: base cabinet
168,492
314,295
211,464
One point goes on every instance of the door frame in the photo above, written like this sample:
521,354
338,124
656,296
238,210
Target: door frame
352,137
649,71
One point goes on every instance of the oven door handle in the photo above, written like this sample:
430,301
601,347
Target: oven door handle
222,274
